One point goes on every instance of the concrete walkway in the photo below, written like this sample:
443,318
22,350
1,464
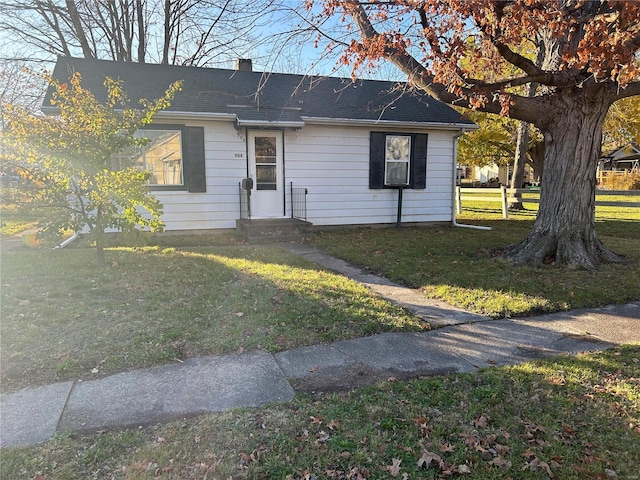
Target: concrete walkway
465,343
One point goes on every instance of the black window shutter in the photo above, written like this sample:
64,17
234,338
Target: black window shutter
376,160
418,176
194,165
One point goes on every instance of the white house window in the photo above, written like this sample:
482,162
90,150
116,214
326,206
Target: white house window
161,155
397,159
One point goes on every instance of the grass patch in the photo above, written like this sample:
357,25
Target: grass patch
460,265
570,418
65,319
14,220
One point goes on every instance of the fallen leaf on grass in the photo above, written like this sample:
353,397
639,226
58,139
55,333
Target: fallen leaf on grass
253,457
446,447
428,458
480,422
502,449
470,440
394,468
537,464
528,453
464,468
533,434
423,423
501,462
333,425
357,474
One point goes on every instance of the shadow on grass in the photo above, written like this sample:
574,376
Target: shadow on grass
63,318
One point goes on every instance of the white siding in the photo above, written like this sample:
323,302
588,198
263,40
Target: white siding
331,162
219,206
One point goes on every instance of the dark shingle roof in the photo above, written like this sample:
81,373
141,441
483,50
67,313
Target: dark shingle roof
256,97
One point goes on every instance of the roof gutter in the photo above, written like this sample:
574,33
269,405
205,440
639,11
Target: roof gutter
267,123
455,184
391,123
168,115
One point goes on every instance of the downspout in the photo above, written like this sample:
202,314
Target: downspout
454,185
68,241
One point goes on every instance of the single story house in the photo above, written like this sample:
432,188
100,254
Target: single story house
622,159
494,175
347,145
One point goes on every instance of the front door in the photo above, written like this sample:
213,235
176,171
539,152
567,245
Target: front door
265,167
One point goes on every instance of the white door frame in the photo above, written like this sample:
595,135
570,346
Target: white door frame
267,196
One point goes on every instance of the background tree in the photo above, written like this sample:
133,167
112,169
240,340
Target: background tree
496,142
590,61
68,160
184,32
17,86
492,143
622,124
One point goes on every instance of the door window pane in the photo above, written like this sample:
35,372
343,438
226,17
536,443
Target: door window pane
266,177
265,152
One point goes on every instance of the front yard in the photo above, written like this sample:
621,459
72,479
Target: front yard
573,417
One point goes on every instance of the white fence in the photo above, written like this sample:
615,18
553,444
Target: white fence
504,196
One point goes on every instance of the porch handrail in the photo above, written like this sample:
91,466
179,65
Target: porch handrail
298,197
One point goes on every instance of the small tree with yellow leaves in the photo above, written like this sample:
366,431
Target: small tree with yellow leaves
67,159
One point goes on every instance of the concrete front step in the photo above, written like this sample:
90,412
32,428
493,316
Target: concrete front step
270,230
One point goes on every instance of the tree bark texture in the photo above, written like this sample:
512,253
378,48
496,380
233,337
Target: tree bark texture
564,231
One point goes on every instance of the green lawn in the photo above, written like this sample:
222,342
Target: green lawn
462,266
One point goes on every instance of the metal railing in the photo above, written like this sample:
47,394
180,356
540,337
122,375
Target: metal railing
298,196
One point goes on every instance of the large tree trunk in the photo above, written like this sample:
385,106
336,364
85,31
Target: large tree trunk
564,230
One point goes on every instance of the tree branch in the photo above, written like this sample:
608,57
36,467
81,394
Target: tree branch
630,90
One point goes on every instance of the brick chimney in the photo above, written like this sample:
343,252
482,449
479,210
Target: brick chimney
244,65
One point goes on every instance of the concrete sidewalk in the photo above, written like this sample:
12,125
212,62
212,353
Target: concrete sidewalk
465,343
